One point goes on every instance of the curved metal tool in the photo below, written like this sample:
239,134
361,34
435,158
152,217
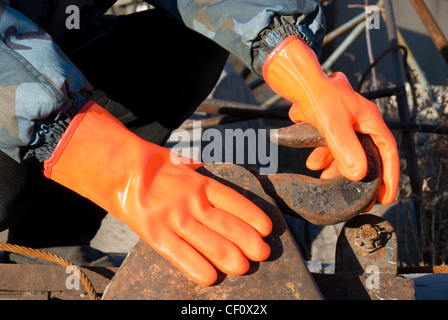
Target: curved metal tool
322,201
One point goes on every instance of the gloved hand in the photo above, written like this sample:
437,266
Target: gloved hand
193,221
331,105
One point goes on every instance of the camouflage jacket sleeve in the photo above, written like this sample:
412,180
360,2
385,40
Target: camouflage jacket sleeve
250,29
40,89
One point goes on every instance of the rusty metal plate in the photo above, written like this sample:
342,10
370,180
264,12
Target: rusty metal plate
366,263
144,274
367,240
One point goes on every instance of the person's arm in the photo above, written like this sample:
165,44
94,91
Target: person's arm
195,222
281,41
250,30
331,105
40,89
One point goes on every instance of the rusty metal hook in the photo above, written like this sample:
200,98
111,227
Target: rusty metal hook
322,201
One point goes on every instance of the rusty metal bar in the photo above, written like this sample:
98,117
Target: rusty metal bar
433,28
242,110
381,93
211,122
417,127
239,112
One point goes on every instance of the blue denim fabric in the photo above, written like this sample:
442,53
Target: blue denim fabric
39,88
251,29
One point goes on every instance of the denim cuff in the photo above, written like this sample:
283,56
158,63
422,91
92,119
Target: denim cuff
50,131
311,31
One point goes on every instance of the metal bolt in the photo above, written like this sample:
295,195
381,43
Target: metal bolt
368,237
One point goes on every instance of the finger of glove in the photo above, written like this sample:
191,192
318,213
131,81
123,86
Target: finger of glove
229,200
391,174
246,238
388,189
330,171
222,253
319,159
369,207
185,258
295,113
387,148
347,151
341,139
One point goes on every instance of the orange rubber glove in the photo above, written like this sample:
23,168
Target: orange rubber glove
330,104
193,221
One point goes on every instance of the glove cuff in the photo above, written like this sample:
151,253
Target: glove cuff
65,139
277,50
293,71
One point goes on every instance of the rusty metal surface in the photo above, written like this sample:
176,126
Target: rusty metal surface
299,135
47,282
146,275
322,201
366,263
364,241
433,28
